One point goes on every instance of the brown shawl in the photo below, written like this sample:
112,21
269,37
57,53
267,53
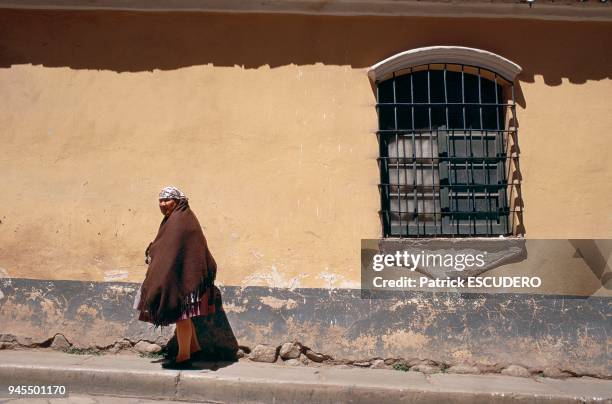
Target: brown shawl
180,266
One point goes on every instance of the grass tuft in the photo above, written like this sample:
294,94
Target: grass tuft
401,366
82,351
151,355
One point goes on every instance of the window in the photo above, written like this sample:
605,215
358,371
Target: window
448,153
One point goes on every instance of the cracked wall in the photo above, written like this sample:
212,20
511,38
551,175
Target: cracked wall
570,333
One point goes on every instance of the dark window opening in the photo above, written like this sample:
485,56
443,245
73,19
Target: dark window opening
447,141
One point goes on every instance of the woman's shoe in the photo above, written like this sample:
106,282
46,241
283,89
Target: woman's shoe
197,355
173,364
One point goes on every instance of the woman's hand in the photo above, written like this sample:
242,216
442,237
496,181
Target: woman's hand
147,256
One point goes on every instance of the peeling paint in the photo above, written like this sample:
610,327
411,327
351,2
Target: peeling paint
115,275
278,303
329,278
272,278
461,356
232,308
34,294
22,314
366,344
52,310
567,332
85,310
404,339
122,289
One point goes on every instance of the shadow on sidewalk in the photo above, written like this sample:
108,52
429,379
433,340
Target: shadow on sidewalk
218,342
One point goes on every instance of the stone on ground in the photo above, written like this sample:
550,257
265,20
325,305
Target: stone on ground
378,364
516,370
263,353
290,350
147,347
555,373
60,343
463,369
314,356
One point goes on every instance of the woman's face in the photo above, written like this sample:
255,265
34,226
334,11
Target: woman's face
167,206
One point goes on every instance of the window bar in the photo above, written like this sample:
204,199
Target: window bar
414,177
405,196
503,139
498,118
472,182
451,217
483,135
422,187
431,150
405,171
467,173
453,170
473,178
464,121
450,194
397,159
497,162
487,181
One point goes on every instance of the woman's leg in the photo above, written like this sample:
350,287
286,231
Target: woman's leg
195,344
183,337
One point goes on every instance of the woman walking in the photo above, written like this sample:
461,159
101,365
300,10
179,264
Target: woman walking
179,281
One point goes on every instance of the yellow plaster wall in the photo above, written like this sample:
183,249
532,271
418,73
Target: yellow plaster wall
565,159
266,122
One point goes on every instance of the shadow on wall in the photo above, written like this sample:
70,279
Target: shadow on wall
132,42
596,257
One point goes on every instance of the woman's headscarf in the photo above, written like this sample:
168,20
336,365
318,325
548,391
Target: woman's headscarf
171,192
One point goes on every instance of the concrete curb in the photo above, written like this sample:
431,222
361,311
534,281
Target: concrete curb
247,382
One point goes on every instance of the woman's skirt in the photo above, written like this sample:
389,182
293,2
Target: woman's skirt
194,305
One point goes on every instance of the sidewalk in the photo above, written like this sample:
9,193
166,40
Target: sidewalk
250,382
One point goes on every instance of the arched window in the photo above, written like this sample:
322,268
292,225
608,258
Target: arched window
448,143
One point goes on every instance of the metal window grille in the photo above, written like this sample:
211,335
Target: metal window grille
448,152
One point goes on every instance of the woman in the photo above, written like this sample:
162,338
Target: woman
179,280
